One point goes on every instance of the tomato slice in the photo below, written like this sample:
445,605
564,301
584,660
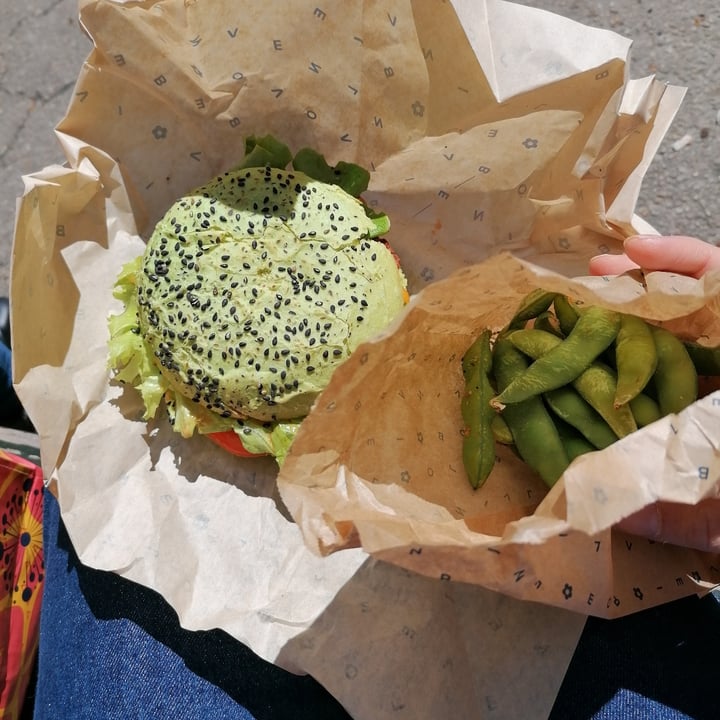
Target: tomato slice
229,440
396,257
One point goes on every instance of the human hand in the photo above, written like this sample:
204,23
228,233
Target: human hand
672,253
692,526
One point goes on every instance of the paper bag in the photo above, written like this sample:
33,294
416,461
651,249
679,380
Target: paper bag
488,127
379,462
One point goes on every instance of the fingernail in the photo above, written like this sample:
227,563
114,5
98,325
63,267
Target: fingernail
634,239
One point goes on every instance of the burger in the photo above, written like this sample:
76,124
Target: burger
251,290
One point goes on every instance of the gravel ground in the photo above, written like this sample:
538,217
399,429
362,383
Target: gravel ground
42,48
673,41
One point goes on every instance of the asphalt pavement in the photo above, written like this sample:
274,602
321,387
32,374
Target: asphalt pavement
43,47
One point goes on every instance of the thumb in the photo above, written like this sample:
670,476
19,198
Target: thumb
692,526
673,253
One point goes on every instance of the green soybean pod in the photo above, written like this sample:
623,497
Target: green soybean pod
706,359
536,437
675,377
478,440
574,443
533,342
597,386
644,409
567,403
566,313
503,434
474,355
534,303
501,431
548,322
594,331
635,357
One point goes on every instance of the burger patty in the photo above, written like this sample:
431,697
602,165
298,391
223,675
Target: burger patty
257,285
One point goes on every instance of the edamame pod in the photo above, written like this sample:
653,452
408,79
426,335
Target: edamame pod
596,385
500,429
534,303
478,439
548,322
573,442
675,377
533,342
474,355
635,357
644,409
595,330
705,358
567,403
536,437
566,313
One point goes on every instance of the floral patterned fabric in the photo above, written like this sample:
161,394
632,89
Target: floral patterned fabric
21,564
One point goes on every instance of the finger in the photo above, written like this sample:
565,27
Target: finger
673,253
611,264
692,526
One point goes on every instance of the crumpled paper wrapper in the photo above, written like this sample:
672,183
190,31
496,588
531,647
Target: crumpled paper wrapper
490,128
378,463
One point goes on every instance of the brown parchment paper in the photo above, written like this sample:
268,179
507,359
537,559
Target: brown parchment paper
489,128
379,461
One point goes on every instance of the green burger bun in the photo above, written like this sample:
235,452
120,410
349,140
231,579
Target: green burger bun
252,289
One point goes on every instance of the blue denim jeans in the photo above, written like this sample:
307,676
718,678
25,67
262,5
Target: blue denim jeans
111,649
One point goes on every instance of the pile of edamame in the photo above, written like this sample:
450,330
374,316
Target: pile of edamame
562,379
